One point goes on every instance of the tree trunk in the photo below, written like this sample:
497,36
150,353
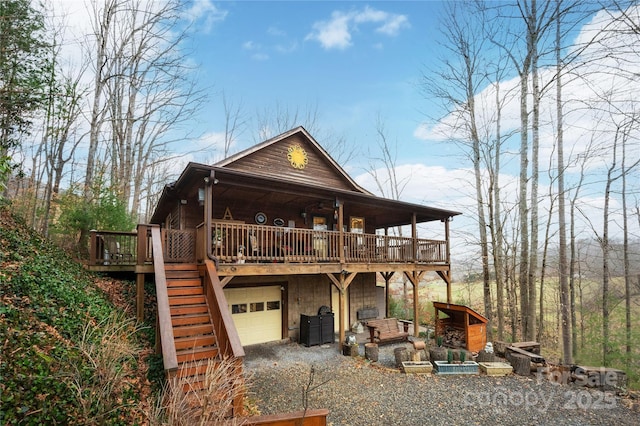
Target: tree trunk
532,42
521,364
567,352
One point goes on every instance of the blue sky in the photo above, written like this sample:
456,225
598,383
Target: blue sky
353,60
356,61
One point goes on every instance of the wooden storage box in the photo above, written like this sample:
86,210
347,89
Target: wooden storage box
496,368
468,324
417,367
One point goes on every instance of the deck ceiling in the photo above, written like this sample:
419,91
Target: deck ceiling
235,184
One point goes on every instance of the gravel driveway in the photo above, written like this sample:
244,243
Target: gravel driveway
358,392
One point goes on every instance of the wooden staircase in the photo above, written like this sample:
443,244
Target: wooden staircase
194,336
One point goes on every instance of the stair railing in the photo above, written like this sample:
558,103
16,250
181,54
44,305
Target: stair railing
226,333
165,327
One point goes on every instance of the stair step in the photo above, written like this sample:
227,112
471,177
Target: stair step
198,308
196,354
188,369
184,282
190,342
186,300
184,291
182,274
180,267
186,320
192,330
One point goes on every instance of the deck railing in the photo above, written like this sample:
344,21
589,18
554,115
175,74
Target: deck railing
238,243
179,245
112,248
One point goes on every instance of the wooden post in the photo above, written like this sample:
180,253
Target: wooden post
342,309
140,296
448,239
416,323
93,247
340,230
414,238
141,254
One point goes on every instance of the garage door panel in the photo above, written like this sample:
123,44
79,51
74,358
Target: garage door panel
256,312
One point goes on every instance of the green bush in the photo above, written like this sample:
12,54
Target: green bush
47,303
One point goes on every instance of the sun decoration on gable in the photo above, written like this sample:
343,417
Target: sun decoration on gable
297,156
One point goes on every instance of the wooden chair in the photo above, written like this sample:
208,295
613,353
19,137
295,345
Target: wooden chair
254,246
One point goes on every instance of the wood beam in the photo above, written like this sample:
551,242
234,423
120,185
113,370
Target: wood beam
224,281
415,278
414,237
140,297
387,277
446,276
342,282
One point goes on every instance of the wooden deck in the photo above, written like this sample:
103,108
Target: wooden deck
258,250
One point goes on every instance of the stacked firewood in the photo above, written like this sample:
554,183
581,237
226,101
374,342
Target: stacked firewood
454,338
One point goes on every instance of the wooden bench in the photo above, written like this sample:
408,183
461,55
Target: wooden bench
532,356
386,330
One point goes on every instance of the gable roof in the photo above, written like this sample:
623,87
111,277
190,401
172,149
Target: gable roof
269,158
265,171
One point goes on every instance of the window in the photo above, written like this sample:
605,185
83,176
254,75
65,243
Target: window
256,307
357,225
240,308
273,305
320,223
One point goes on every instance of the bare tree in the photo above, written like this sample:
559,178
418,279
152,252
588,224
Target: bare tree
279,118
103,15
150,92
463,72
565,299
234,122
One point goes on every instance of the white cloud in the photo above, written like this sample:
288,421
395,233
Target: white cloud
335,33
260,56
204,14
250,45
291,47
275,31
392,26
594,104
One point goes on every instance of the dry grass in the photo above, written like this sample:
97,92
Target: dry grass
108,347
210,405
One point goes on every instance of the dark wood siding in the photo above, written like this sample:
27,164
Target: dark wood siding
272,161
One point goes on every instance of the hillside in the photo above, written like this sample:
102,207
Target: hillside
70,352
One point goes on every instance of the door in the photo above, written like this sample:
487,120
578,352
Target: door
256,313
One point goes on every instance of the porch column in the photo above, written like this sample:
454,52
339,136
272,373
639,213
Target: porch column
340,230
208,212
414,237
342,284
141,256
387,277
448,255
415,278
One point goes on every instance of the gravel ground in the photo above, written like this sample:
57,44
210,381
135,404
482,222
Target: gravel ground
359,392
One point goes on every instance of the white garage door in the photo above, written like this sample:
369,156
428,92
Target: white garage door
256,313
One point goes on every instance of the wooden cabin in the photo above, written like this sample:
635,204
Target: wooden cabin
275,232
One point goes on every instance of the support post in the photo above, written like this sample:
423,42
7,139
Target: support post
414,237
140,297
338,204
447,238
342,284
